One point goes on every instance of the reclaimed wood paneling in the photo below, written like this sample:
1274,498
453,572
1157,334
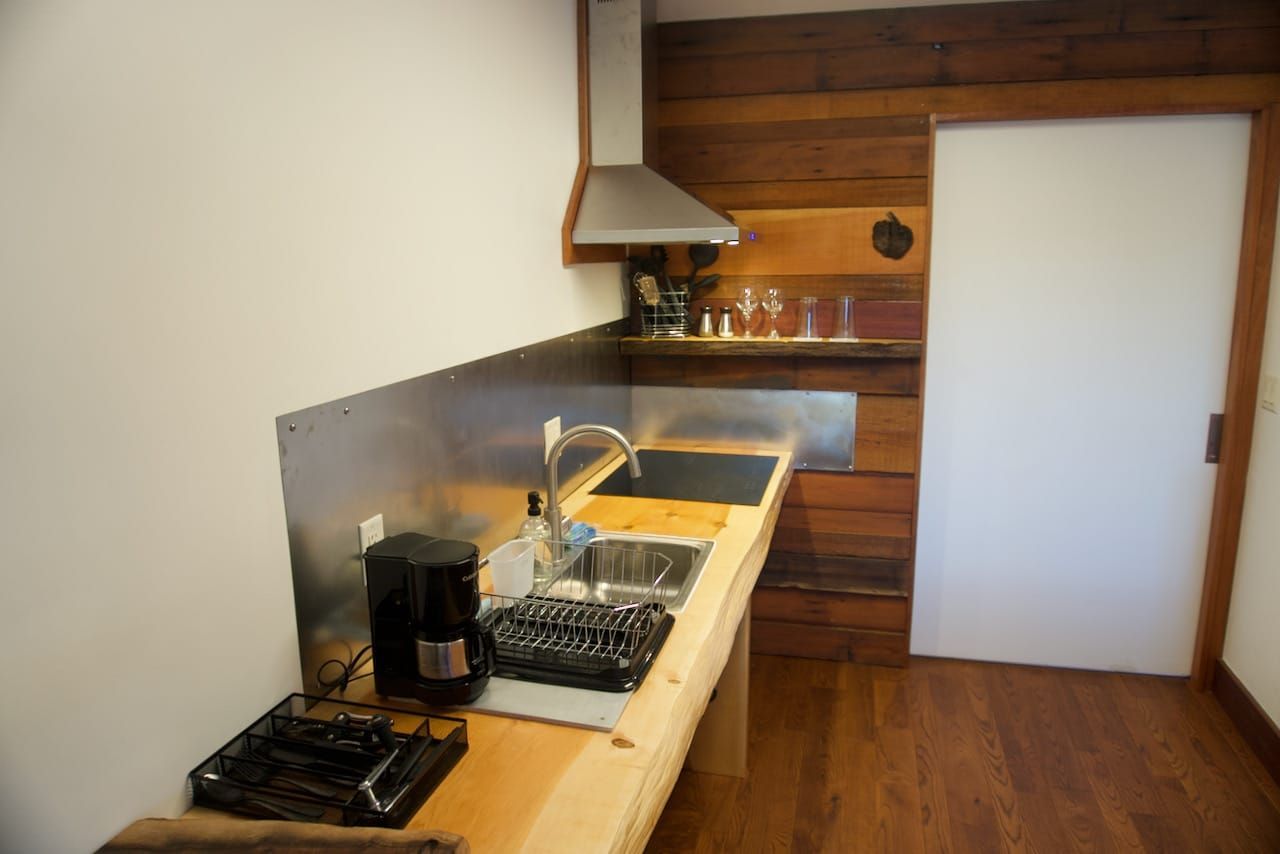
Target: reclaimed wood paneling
817,541
994,101
999,42
769,637
795,160
967,62
876,576
864,348
814,242
811,130
876,376
714,371
816,607
854,491
885,437
829,193
882,287
842,521
944,24
864,376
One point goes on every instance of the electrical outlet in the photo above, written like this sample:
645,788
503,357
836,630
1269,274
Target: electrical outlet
1270,390
550,432
371,532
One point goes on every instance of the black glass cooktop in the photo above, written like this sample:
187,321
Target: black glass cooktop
692,476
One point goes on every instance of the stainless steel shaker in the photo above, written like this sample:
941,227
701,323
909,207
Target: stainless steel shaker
707,323
726,322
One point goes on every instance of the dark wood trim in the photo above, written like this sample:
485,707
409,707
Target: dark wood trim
867,348
1257,246
571,253
910,579
1256,728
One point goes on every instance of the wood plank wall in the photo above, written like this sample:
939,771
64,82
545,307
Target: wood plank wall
810,128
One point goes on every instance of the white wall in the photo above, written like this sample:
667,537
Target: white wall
1253,625
212,214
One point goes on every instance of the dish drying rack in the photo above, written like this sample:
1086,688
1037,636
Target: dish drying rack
595,622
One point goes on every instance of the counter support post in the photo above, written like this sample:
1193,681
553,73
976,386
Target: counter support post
720,743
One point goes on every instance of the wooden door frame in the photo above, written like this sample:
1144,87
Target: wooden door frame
1253,282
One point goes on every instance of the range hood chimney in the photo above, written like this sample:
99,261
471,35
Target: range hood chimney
623,200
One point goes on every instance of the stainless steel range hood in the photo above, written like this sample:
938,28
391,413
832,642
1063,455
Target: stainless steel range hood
623,200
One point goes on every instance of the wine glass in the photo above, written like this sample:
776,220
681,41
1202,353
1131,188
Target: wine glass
748,302
772,304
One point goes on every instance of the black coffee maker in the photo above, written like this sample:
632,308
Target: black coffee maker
423,603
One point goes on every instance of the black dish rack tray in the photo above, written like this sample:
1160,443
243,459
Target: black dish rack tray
581,645
323,760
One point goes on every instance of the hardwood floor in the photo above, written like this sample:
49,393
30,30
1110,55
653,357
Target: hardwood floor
965,756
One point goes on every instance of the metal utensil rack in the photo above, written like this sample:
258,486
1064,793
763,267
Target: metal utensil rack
670,318
309,759
596,622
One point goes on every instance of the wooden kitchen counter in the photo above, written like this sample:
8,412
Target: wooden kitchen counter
531,786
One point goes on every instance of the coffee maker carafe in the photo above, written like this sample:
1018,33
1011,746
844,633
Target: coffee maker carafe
424,601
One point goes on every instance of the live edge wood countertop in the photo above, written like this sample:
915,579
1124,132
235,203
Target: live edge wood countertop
530,786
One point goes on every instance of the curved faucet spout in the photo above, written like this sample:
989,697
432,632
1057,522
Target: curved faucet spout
553,514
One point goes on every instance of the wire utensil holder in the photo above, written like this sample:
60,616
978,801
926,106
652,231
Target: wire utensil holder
670,318
597,616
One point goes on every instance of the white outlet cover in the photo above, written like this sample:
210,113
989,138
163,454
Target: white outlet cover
550,432
1270,390
370,531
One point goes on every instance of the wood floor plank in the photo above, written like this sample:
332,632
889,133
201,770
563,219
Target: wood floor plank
1004,798
964,756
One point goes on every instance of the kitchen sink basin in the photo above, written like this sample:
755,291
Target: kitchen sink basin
595,581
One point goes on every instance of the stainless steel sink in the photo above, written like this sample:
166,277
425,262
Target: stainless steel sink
594,582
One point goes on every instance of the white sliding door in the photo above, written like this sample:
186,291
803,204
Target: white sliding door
1081,290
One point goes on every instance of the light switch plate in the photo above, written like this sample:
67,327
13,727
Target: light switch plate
1270,390
550,432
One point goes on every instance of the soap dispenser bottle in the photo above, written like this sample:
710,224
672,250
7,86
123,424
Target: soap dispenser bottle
534,527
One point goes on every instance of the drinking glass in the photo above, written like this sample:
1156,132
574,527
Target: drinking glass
748,302
772,305
842,326
807,319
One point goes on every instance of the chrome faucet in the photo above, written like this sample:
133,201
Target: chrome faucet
553,515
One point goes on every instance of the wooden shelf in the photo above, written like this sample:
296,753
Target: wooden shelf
865,348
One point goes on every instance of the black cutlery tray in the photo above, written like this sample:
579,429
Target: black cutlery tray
297,762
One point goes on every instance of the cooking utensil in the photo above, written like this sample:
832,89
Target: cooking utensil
703,285
702,255
262,776
229,794
647,285
275,753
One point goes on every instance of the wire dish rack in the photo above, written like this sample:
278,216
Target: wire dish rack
596,622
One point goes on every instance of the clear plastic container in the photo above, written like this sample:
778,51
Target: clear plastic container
842,325
807,319
511,566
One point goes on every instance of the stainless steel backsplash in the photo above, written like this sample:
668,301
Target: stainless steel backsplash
451,453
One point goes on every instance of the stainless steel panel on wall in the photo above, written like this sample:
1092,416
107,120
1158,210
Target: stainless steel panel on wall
816,426
450,454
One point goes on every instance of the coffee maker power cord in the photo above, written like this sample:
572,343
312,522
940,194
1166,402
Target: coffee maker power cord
346,670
